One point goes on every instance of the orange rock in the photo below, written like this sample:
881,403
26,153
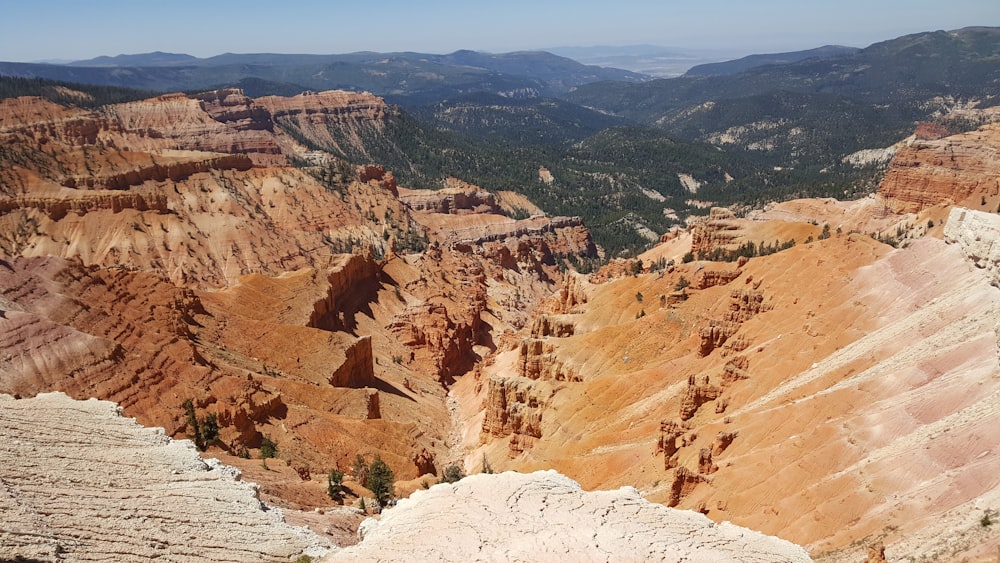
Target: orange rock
953,170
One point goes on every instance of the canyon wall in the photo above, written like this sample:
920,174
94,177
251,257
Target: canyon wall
953,170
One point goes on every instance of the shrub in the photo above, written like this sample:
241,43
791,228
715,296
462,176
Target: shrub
486,466
452,474
636,267
380,481
204,431
268,448
360,470
335,484
209,430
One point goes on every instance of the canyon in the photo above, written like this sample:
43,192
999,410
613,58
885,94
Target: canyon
96,486
836,391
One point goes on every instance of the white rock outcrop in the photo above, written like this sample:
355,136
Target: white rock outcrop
978,234
79,482
545,516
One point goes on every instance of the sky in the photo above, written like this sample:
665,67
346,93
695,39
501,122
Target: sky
34,30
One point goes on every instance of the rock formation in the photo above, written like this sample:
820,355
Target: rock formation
670,432
514,407
466,198
164,250
546,516
978,235
954,170
697,394
836,342
82,483
716,231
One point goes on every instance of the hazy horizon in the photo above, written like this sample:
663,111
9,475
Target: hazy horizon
69,31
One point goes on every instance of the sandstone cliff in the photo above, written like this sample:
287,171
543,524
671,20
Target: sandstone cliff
718,230
954,170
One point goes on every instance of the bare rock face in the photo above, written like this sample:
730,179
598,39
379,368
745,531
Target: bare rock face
876,553
718,230
549,325
80,482
163,250
571,294
224,121
710,277
978,235
697,394
958,169
537,360
514,406
464,198
670,431
744,304
545,516
684,482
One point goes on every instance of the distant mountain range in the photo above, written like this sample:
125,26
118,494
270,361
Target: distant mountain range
819,107
404,78
156,58
754,61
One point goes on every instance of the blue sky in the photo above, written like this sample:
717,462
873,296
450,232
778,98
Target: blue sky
33,30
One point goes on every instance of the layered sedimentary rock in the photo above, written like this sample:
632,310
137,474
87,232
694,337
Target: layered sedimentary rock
670,432
545,516
516,401
537,360
954,170
718,230
82,483
466,198
978,235
514,407
696,395
337,121
163,250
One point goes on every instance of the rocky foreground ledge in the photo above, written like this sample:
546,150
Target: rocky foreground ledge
79,482
546,516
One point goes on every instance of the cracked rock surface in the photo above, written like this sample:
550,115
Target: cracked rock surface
546,516
79,482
